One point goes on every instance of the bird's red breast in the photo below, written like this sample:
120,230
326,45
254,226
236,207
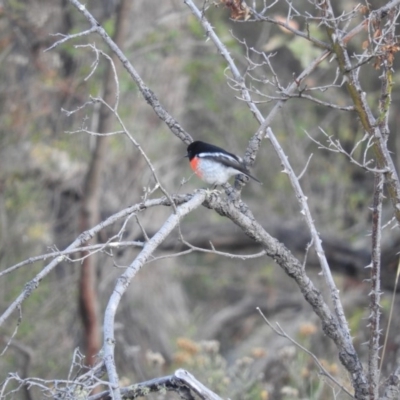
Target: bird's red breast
194,163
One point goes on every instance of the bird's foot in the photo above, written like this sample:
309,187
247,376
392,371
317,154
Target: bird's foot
213,191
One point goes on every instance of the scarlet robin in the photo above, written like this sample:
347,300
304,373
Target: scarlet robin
215,165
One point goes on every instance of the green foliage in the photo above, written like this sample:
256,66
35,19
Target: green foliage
195,28
109,26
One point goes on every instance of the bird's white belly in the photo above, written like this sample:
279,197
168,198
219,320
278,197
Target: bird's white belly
214,173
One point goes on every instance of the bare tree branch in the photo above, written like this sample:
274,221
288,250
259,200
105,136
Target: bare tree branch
364,112
65,38
148,95
125,279
82,239
294,268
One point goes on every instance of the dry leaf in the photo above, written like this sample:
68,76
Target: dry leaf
239,9
290,23
377,33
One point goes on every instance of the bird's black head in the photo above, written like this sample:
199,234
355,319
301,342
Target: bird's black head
195,148
198,147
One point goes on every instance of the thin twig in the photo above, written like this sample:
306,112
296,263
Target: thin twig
69,37
335,146
17,325
315,41
305,168
214,251
112,65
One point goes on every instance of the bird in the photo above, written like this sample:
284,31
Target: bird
213,164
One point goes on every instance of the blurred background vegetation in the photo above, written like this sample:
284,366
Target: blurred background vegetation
198,311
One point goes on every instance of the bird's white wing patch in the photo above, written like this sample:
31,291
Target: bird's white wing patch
219,155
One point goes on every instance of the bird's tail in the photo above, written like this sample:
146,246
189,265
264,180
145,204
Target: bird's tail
254,178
